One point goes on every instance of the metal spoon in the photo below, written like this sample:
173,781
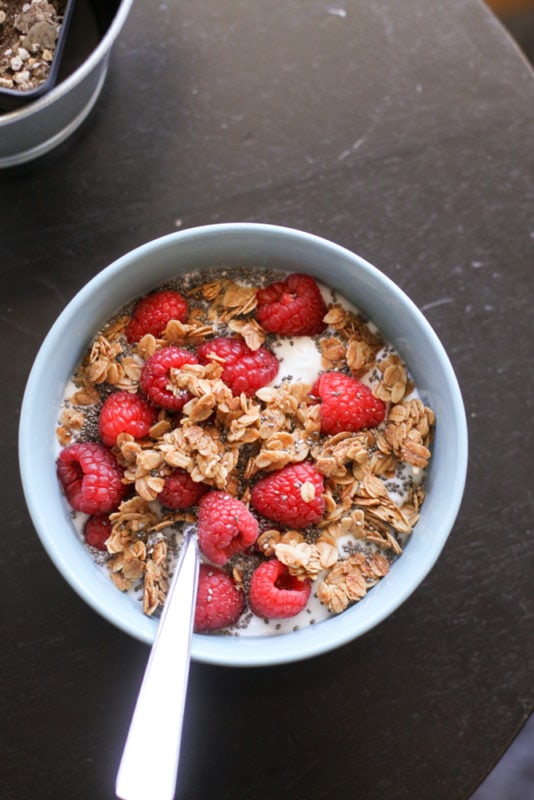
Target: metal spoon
159,711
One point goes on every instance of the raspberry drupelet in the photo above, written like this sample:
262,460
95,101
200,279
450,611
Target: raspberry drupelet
181,491
292,496
245,370
225,526
91,478
219,602
124,412
155,377
97,530
346,404
292,307
153,312
275,593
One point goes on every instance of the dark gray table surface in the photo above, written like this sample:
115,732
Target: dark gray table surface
404,131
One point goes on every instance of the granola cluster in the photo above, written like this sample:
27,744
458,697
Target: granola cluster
373,478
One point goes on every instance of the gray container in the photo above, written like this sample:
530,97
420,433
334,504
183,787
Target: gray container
38,127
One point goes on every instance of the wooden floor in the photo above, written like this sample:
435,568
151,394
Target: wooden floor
509,6
517,16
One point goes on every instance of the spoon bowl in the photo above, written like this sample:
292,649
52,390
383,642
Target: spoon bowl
161,701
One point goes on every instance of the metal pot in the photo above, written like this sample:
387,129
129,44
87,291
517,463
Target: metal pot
34,129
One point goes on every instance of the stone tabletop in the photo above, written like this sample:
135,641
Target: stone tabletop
404,132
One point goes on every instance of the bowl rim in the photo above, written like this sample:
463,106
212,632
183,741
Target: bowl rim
252,651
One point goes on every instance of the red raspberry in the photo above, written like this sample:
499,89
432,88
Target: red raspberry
275,593
155,377
180,490
225,526
278,496
293,307
245,370
346,404
153,312
90,477
97,531
123,412
219,601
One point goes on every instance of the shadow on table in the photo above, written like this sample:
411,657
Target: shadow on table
513,777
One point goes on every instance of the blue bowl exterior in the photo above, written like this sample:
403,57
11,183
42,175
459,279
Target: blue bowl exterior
256,245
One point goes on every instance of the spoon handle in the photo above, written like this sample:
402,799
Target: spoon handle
149,763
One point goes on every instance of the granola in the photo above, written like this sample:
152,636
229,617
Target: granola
374,479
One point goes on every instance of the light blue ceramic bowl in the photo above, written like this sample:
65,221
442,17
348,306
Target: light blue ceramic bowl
244,244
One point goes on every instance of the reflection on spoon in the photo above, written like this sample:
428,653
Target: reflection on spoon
160,705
